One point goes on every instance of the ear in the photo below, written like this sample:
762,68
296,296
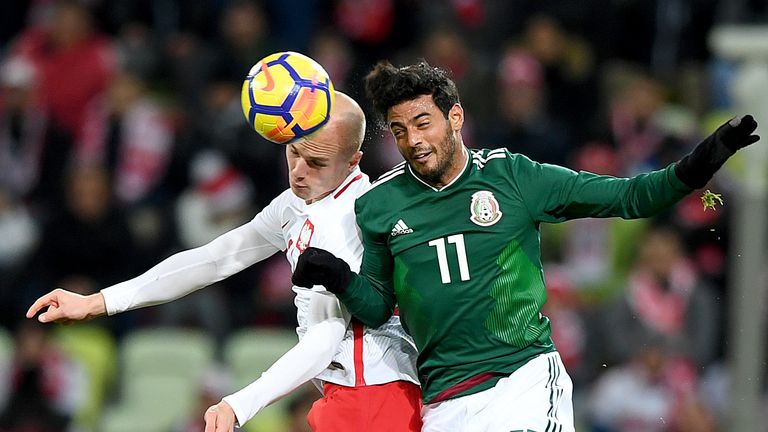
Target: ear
355,160
456,117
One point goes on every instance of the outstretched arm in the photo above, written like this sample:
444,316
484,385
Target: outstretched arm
174,277
313,353
555,194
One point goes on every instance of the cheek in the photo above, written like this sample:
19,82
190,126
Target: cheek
402,146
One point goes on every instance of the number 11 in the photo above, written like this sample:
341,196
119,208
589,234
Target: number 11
442,257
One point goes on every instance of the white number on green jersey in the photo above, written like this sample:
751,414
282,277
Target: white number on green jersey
442,257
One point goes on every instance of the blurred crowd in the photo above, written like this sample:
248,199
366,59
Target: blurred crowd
122,141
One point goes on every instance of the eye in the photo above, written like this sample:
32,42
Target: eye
397,133
423,125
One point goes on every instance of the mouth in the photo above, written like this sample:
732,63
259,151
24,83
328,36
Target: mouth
421,157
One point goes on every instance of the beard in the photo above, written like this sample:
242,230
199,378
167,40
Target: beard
443,160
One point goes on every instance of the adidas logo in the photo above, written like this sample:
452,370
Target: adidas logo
400,228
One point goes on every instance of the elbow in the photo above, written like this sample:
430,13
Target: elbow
328,335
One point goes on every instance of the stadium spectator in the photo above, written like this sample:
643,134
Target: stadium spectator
88,243
133,141
22,128
46,387
653,391
523,124
74,67
667,300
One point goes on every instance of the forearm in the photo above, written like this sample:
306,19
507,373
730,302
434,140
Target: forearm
174,277
590,195
303,362
372,306
649,194
190,270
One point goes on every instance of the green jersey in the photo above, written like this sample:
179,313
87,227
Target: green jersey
463,263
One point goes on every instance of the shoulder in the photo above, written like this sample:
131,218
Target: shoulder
482,157
285,198
383,193
353,186
281,202
391,178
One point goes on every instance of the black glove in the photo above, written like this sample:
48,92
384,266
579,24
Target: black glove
698,167
320,267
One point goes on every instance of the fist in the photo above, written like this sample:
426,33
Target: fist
738,132
220,418
320,267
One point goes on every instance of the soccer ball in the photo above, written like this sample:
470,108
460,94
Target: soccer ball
286,96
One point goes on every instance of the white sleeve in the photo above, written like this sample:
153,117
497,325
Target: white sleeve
190,270
310,356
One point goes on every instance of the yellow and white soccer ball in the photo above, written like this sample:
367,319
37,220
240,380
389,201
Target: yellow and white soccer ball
286,96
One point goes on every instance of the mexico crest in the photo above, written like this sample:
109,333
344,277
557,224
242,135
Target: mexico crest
484,208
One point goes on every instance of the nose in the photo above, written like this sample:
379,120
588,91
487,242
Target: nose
299,170
414,138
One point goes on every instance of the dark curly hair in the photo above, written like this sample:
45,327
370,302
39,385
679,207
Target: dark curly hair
387,86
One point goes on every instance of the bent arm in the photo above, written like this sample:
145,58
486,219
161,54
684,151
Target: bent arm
370,296
190,270
309,357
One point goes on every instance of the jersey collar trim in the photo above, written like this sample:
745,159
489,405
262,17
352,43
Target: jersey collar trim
458,176
347,184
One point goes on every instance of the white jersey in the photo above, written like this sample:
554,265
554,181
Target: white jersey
365,356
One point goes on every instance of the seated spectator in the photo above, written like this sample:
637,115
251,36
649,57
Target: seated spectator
219,199
46,387
524,126
22,128
652,392
665,299
136,145
19,233
74,67
88,217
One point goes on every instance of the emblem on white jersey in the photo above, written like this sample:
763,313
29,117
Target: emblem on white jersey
400,228
305,235
484,209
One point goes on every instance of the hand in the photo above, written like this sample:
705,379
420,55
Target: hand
320,267
220,418
737,133
64,307
698,167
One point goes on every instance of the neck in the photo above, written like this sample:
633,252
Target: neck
455,170
317,198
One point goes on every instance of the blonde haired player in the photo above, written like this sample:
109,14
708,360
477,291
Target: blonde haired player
372,384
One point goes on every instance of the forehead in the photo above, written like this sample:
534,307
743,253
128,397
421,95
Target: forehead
408,110
317,146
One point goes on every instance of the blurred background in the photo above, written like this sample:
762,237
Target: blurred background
122,141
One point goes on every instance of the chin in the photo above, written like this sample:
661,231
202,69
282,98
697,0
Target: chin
301,193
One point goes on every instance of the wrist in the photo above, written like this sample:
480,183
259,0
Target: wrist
340,279
97,305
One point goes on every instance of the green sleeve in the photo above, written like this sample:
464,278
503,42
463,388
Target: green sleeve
370,297
555,194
